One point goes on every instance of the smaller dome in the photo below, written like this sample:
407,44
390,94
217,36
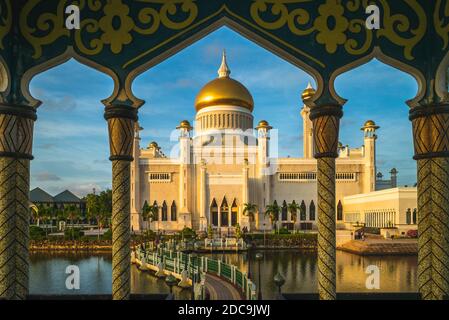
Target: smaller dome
308,93
153,144
370,123
263,124
184,124
394,171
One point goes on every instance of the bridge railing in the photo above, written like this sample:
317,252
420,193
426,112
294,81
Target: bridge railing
177,262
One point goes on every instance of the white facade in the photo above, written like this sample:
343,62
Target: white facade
225,162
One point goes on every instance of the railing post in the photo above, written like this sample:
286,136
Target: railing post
219,268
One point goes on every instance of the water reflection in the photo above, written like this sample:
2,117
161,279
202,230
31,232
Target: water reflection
397,273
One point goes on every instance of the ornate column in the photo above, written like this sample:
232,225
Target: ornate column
16,137
431,140
326,123
121,120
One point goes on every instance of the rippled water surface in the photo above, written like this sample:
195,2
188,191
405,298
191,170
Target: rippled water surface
397,273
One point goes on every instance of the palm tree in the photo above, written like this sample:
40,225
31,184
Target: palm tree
249,209
71,212
272,210
149,213
293,209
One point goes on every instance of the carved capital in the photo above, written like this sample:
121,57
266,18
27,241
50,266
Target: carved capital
430,131
326,125
121,121
16,131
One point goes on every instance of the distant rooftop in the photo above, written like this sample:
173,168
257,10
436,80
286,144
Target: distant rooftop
39,195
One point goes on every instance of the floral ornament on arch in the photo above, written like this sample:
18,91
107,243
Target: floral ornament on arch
119,36
331,37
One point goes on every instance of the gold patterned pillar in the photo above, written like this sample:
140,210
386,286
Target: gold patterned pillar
326,123
121,120
431,140
16,136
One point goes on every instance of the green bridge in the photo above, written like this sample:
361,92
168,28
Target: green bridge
214,276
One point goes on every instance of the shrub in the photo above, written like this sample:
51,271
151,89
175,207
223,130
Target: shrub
188,233
73,233
37,233
107,235
412,233
284,231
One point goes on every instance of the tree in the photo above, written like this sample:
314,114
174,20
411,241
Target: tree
249,209
71,212
94,211
149,212
272,210
293,209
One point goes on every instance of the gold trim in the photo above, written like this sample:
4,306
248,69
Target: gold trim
223,8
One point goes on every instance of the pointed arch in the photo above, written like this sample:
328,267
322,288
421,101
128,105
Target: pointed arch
173,212
415,216
303,211
61,59
339,211
214,213
164,215
234,213
284,211
224,213
379,55
408,216
156,216
312,213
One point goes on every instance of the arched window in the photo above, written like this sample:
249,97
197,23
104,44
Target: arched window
234,214
156,216
224,211
275,203
408,216
302,211
214,213
173,212
284,211
164,212
312,211
415,220
339,211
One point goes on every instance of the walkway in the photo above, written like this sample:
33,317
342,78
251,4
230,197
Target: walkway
219,289
379,247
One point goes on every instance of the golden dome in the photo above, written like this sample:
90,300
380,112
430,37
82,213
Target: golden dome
308,93
263,124
153,144
370,124
184,125
224,90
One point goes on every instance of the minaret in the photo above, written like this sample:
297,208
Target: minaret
203,197
184,167
394,177
263,160
135,182
307,94
370,137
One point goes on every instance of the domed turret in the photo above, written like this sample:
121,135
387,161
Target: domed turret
308,93
224,91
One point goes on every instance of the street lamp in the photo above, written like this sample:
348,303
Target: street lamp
264,242
259,257
249,247
171,281
279,281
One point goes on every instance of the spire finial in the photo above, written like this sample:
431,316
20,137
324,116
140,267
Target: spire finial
224,71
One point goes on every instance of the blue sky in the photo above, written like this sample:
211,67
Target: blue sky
71,144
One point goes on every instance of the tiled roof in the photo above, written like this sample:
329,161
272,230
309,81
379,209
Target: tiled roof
66,196
39,195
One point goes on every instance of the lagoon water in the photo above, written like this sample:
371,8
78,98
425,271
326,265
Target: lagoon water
397,273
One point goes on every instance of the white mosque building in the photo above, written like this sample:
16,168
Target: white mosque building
224,162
